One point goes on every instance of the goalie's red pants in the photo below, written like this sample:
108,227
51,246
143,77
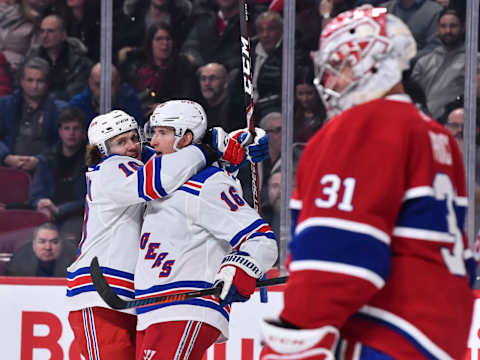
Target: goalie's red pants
175,340
102,333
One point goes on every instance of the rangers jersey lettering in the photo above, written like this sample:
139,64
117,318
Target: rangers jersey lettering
378,249
117,189
184,238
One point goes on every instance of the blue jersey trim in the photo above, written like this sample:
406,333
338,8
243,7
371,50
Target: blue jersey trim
90,288
429,213
342,246
188,190
238,236
141,181
105,270
174,285
157,171
194,302
203,175
147,153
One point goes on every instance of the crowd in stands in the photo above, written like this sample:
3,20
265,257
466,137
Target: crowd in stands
169,49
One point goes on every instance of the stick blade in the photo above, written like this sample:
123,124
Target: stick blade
103,289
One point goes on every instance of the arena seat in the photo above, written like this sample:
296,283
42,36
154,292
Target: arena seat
15,185
16,228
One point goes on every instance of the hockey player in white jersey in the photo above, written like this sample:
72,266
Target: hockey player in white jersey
118,186
201,234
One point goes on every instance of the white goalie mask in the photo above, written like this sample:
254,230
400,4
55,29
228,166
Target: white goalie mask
377,46
181,115
106,126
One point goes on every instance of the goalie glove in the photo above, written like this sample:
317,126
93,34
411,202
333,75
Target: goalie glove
283,341
238,273
228,149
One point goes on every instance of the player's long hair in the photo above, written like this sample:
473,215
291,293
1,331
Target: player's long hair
92,155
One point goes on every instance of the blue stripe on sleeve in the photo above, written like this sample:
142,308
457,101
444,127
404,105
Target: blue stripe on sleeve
141,182
191,191
342,246
461,212
238,236
426,213
205,174
158,181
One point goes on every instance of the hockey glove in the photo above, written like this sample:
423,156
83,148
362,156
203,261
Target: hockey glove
228,148
238,273
257,150
284,341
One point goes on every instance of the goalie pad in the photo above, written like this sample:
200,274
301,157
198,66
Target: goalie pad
307,344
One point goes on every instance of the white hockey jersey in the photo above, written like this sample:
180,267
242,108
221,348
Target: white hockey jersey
117,190
184,239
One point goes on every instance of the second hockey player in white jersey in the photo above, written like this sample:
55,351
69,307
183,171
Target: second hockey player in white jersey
118,186
203,233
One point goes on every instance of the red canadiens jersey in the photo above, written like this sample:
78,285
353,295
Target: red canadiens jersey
378,249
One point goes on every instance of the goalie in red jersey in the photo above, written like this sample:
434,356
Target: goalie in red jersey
380,267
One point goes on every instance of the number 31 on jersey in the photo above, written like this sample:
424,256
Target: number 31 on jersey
332,185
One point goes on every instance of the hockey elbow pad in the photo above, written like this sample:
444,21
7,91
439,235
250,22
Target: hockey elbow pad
282,341
238,273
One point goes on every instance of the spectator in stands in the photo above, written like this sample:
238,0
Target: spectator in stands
157,72
176,13
18,23
421,16
267,62
6,81
271,208
443,3
215,37
82,21
454,124
59,185
309,112
28,125
272,124
67,58
329,9
123,97
46,255
223,108
441,73
309,23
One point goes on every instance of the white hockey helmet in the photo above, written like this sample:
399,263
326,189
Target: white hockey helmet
181,115
378,46
106,126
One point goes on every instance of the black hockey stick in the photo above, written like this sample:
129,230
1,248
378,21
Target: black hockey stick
115,302
248,91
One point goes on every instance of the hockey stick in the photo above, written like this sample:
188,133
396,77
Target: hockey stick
115,302
248,91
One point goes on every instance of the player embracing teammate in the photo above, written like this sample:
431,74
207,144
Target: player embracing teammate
122,177
203,234
380,266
